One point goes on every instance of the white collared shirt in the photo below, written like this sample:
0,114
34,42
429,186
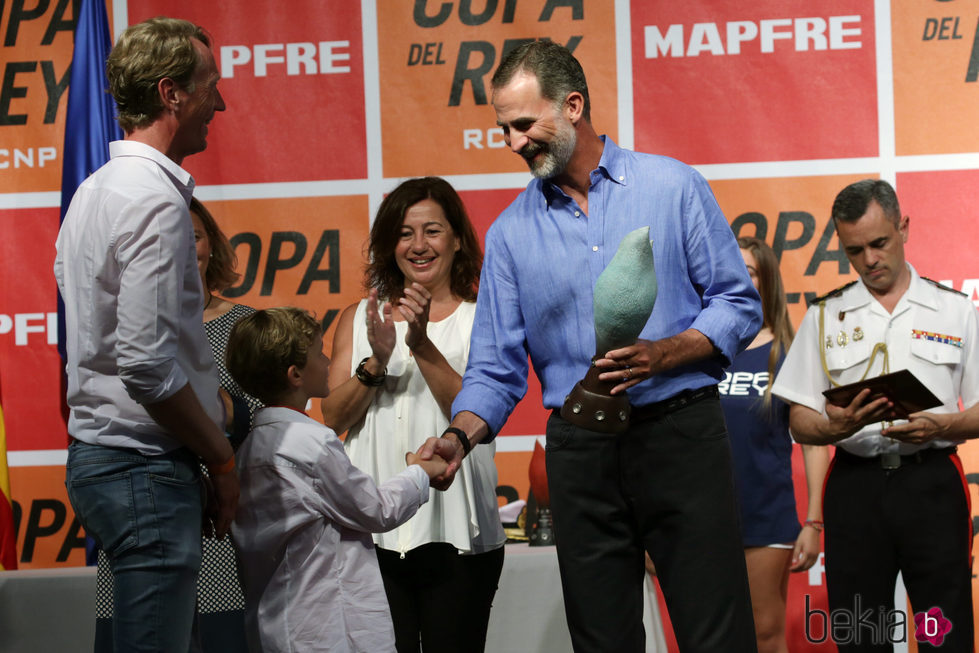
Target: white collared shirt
932,332
126,267
303,532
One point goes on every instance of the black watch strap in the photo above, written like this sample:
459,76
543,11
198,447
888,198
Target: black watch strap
463,439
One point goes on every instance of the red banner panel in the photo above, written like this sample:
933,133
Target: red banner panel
793,216
941,244
719,81
293,81
29,362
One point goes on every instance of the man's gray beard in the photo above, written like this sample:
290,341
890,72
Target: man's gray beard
557,156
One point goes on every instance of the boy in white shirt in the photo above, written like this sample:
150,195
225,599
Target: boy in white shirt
306,514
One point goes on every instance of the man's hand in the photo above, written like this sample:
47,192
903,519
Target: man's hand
448,449
434,467
414,307
223,501
631,365
183,417
636,363
229,409
861,411
921,428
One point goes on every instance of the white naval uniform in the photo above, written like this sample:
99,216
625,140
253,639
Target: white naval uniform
909,511
854,322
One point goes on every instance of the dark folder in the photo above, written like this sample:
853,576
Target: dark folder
903,389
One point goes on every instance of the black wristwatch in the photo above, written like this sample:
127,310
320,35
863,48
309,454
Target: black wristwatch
463,439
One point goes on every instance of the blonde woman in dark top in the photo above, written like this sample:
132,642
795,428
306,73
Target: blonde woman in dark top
761,450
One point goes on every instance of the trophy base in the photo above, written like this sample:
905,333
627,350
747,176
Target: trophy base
542,532
596,411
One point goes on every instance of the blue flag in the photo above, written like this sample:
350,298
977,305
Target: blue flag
90,123
89,127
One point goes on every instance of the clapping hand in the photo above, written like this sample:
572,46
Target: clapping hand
414,307
380,329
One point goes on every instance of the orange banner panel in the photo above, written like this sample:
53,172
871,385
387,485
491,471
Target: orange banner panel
512,470
306,252
792,215
35,58
436,61
936,76
48,535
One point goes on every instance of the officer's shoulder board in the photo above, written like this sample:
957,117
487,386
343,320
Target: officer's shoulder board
832,293
942,286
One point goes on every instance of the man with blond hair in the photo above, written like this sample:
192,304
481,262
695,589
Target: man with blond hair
142,385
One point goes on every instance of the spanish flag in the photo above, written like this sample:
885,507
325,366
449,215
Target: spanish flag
8,536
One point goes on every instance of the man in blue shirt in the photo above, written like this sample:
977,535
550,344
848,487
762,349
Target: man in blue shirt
665,485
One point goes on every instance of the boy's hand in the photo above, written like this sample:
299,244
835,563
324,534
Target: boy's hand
434,467
449,450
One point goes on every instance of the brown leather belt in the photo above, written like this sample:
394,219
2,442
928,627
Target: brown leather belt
676,402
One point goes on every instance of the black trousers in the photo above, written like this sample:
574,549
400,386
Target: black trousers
914,519
664,486
440,599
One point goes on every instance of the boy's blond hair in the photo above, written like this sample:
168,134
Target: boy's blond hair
262,346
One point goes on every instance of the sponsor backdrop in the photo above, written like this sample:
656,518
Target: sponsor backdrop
331,104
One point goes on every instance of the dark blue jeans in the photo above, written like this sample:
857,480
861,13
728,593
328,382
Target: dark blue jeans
145,512
666,487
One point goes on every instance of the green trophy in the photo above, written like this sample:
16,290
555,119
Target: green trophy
624,296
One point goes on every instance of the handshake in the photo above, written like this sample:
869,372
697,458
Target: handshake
440,458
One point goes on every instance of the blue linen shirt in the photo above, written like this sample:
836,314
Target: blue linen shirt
543,256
